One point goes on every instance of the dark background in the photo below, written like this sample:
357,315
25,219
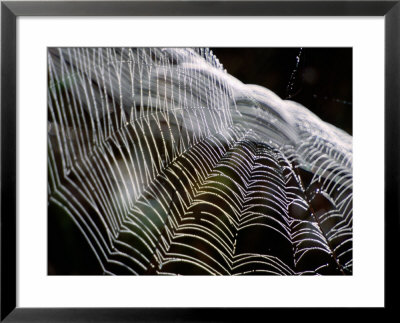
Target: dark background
322,82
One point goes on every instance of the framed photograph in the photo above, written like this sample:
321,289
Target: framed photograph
197,160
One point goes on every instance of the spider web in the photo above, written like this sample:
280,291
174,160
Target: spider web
169,165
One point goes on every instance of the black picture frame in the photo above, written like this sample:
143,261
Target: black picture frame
10,10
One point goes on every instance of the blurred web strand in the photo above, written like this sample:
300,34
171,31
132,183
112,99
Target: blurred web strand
168,165
292,80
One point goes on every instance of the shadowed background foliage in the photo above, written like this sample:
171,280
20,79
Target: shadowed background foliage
322,81
318,78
